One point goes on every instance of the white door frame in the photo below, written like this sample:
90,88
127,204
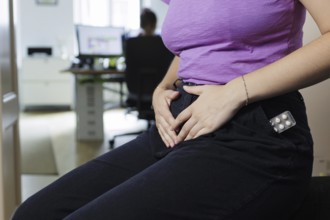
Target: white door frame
10,184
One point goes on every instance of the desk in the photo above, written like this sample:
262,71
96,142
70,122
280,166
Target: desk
89,102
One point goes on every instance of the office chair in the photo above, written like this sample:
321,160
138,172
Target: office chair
147,60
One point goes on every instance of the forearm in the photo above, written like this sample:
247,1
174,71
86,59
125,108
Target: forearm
302,68
161,100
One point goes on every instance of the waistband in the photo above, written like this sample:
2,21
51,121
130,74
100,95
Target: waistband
292,102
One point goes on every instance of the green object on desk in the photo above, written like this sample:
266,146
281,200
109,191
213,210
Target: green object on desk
91,79
113,63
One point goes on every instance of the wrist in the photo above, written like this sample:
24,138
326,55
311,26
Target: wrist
246,91
162,87
158,90
239,91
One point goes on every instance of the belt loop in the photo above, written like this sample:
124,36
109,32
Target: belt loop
177,83
180,83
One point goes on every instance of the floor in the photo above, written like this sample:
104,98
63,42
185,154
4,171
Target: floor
70,153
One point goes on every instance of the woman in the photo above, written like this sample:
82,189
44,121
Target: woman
216,151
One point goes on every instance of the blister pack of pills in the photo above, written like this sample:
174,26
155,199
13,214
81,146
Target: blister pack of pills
282,122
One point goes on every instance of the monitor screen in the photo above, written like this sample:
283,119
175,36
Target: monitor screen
96,41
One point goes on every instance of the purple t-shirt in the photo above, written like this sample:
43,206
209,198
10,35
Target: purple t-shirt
218,40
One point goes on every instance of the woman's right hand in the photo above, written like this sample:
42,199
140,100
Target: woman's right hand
161,101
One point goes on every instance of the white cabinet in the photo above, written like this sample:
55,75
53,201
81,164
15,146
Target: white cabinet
42,83
89,110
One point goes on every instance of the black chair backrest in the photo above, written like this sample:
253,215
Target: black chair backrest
147,60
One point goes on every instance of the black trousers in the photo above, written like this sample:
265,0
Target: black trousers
244,170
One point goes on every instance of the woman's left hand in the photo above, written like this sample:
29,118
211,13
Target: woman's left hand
215,105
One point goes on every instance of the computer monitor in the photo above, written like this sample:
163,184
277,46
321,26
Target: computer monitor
94,41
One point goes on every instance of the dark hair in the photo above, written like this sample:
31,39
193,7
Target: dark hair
148,17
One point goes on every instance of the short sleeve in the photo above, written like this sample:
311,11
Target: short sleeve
166,1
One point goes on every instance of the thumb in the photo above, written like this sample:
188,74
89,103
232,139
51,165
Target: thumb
171,95
195,90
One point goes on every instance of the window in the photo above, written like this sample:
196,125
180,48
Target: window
120,13
125,13
91,12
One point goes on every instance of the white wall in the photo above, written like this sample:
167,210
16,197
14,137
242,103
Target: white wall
40,25
53,25
317,100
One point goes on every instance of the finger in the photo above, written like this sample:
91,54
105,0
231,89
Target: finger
196,131
171,95
167,141
195,90
162,136
171,135
181,118
163,115
185,131
167,122
164,120
200,129
201,132
179,121
167,134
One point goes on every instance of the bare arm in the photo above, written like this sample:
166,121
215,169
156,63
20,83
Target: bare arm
304,67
